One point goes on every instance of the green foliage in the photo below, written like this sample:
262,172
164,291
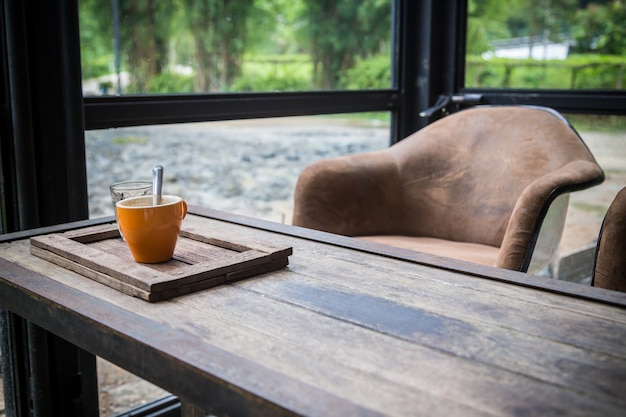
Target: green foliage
274,27
484,23
576,72
96,38
270,82
275,73
127,140
287,45
364,118
601,29
368,73
597,123
339,31
218,28
170,82
96,65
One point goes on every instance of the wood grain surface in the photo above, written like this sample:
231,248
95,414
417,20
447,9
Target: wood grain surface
345,332
201,260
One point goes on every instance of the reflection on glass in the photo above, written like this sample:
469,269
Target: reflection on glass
132,47
549,44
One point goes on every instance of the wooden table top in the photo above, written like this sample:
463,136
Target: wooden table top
342,331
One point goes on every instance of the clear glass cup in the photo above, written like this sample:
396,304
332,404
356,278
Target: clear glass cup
126,189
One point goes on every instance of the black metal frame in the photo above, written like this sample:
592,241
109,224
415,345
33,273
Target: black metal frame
105,112
44,183
564,101
43,117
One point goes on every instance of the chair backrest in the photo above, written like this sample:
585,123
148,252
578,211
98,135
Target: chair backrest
609,270
487,175
466,172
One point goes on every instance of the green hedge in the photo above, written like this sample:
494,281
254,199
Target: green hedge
295,73
575,72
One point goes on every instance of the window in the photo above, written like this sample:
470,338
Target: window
247,167
274,74
218,46
546,44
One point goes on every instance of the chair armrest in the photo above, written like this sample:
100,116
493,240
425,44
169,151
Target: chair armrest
531,207
350,195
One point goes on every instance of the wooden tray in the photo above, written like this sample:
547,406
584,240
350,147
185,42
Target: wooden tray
202,260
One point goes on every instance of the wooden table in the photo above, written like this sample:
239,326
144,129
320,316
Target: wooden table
343,331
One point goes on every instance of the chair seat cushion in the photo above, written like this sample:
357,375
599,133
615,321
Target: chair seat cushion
472,252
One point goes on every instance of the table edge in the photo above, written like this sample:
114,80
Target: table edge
454,265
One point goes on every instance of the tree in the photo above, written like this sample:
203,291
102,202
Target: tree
96,38
145,29
547,19
273,27
485,22
339,31
601,28
218,28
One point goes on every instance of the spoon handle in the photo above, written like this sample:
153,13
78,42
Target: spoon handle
157,184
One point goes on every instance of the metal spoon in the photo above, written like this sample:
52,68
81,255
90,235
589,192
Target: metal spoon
157,184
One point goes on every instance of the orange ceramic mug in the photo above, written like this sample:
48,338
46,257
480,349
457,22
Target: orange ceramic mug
150,231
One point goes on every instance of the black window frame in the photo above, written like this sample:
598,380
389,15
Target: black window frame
43,118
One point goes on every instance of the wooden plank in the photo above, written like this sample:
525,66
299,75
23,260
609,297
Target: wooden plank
90,273
172,358
71,252
496,345
94,234
234,239
465,268
211,269
237,275
57,228
350,360
483,301
201,261
436,308
192,251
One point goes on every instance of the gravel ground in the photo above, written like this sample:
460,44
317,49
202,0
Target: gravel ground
247,167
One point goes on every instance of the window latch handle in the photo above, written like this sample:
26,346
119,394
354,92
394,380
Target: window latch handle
445,104
440,107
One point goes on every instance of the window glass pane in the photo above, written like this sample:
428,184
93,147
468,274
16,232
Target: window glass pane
248,167
606,138
546,44
185,46
120,391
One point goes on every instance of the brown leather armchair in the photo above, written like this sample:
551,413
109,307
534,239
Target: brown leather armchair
609,270
475,185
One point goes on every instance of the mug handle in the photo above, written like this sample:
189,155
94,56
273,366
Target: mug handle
184,208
